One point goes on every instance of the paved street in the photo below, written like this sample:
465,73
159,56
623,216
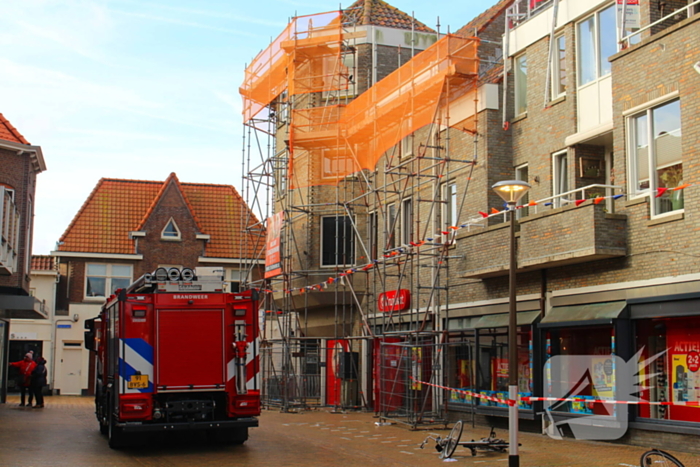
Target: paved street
65,434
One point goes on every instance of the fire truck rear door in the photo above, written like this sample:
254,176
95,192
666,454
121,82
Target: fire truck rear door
190,350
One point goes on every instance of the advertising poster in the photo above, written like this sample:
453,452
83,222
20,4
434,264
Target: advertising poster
603,372
416,368
685,376
273,257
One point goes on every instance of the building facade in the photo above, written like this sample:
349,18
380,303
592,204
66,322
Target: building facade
127,228
20,163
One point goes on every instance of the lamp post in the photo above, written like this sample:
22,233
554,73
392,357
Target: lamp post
511,191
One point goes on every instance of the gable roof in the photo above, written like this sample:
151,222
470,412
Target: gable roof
116,207
9,132
380,13
478,24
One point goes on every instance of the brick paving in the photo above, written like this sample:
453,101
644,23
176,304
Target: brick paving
65,434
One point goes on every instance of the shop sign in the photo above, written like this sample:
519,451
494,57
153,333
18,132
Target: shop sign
394,300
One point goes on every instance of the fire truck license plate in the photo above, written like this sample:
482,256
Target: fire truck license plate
138,382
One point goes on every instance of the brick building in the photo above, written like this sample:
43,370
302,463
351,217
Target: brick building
597,114
127,228
20,163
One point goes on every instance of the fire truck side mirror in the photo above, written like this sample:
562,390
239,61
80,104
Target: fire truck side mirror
90,334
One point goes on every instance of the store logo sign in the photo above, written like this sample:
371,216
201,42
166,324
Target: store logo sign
588,396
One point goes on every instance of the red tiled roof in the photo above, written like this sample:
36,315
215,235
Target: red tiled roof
116,207
475,26
43,263
380,13
9,132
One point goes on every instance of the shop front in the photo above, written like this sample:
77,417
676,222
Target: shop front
667,336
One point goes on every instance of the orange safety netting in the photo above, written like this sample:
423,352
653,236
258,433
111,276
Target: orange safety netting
304,58
327,143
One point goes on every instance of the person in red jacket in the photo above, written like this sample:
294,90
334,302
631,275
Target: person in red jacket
25,366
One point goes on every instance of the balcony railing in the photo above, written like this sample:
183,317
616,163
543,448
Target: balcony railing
9,232
672,18
522,10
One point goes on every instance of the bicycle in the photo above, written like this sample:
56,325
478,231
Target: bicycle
659,458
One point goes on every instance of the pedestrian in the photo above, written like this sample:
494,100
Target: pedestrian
38,382
25,366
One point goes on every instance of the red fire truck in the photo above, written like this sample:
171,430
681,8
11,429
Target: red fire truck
176,352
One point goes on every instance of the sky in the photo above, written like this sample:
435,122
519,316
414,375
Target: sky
137,89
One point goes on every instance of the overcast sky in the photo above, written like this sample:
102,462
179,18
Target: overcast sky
138,89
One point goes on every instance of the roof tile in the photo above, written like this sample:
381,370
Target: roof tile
380,13
43,263
9,132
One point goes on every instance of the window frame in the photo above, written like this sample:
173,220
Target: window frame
558,87
171,238
108,277
372,234
519,171
352,253
557,178
450,214
406,221
520,88
596,51
633,180
390,227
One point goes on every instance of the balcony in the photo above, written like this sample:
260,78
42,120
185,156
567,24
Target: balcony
9,233
549,238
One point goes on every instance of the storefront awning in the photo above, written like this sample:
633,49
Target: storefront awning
21,306
501,320
583,315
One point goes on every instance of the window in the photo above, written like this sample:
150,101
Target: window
656,150
407,221
337,164
450,215
407,146
520,85
102,280
372,235
596,42
390,227
170,231
337,241
560,178
235,279
559,67
521,173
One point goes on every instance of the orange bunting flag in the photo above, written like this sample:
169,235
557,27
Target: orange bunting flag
579,202
494,211
532,203
598,199
680,187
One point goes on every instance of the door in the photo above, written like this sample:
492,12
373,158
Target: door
71,371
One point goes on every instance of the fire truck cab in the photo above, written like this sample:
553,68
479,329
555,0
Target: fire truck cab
176,352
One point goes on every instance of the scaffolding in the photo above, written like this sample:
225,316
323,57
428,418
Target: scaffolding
365,169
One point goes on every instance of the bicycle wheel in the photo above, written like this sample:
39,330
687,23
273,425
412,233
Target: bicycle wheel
452,440
658,458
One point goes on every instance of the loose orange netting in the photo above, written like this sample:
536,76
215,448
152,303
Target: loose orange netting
327,143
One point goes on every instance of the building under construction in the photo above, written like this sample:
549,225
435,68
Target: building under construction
371,145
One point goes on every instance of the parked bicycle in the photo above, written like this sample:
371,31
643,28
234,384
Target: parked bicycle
659,458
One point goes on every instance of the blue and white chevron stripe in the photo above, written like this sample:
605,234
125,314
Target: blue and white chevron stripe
135,354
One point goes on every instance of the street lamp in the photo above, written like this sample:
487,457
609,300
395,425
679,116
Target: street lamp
511,191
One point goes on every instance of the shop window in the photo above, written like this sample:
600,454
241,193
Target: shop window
461,368
492,374
337,241
655,156
520,84
102,280
674,376
594,341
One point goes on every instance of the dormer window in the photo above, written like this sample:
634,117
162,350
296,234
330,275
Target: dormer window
171,231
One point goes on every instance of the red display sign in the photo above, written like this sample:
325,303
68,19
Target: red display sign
273,258
693,361
394,300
